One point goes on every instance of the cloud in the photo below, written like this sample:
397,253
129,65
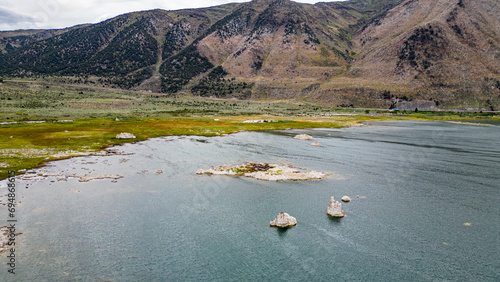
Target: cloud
49,14
10,20
10,17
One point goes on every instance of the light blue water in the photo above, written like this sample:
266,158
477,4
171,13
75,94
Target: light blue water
418,183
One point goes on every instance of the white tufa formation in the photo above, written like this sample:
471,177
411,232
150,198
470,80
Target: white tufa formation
268,172
125,135
346,199
283,220
303,137
335,209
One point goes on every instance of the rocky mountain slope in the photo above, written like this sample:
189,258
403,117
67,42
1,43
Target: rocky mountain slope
444,49
377,53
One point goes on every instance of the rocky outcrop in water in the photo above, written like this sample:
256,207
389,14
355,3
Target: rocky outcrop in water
283,220
346,199
316,143
335,209
303,137
264,171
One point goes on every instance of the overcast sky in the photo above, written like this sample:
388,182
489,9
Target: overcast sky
45,14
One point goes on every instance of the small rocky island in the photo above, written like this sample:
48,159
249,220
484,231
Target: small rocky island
335,209
283,220
264,171
303,137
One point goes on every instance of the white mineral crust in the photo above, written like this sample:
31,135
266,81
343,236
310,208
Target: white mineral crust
125,135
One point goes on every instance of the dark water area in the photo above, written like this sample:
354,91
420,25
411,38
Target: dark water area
428,209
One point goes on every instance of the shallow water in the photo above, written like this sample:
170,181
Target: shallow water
418,184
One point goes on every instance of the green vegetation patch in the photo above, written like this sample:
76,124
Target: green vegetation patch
27,145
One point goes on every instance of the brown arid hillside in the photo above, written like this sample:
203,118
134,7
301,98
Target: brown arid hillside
407,54
278,43
279,48
442,50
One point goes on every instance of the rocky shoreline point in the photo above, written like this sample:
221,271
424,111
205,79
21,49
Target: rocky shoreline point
283,220
335,209
264,171
303,137
64,177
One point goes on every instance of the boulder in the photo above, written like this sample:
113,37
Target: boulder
346,199
316,143
303,137
335,209
125,135
283,220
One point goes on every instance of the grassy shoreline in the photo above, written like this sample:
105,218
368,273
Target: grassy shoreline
25,146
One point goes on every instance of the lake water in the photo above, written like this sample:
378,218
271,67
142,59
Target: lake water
428,209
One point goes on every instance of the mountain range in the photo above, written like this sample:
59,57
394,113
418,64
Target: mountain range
359,53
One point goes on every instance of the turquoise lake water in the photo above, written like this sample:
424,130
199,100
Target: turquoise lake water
428,209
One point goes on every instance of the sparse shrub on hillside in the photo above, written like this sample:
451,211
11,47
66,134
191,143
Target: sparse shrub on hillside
175,39
215,85
489,105
133,79
181,68
257,65
311,37
33,105
290,29
421,49
386,95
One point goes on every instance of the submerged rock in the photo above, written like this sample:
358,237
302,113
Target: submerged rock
346,199
125,135
90,177
335,209
316,143
283,220
303,137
